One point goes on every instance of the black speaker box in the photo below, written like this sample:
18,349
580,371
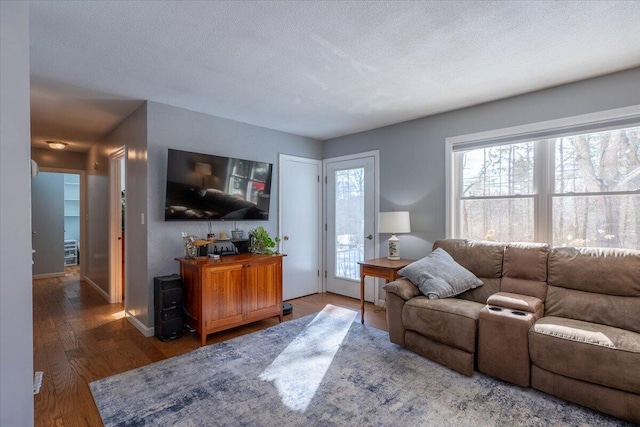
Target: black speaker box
168,292
170,324
168,307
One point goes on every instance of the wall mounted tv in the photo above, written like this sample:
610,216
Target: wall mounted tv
207,187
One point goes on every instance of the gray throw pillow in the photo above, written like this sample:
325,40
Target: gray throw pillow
438,275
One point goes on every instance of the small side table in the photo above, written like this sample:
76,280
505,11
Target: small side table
382,268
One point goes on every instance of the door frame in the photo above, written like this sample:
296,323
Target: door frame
83,212
319,164
115,224
376,206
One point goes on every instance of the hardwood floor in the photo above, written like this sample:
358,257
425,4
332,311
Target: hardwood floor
79,338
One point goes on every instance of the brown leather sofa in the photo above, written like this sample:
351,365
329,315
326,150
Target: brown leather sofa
564,320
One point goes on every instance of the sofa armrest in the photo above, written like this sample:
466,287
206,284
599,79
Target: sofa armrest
403,288
521,303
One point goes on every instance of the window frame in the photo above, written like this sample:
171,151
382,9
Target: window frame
543,192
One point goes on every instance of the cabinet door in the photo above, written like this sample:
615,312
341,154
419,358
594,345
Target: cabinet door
263,288
222,296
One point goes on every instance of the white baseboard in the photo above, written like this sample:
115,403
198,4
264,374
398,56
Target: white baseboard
144,330
98,289
48,275
380,303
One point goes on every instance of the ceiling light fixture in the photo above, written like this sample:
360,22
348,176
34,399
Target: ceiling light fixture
57,145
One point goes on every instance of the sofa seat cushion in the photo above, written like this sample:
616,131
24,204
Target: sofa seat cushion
587,351
451,321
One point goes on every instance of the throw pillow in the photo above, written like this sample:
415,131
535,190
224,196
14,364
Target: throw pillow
438,275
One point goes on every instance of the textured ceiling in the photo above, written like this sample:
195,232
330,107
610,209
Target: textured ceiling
318,69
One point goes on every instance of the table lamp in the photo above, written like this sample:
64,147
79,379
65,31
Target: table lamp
394,223
203,169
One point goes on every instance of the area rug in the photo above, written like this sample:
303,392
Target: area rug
322,370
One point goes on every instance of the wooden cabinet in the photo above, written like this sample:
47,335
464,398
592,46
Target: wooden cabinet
232,291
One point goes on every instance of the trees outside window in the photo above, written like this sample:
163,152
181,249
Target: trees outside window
497,194
596,197
576,190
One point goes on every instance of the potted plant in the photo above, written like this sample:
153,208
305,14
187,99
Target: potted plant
262,242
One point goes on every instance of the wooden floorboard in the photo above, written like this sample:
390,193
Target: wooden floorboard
79,338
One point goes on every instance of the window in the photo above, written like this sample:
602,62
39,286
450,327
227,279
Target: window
569,189
596,189
497,195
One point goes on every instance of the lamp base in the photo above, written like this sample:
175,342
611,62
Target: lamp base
394,248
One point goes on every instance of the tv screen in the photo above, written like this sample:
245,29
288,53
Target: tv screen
208,187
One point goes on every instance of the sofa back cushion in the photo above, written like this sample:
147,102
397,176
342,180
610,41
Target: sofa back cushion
483,259
524,269
595,285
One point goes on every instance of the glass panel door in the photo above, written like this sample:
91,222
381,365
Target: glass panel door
349,219
350,223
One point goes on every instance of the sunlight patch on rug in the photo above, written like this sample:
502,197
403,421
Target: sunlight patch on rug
298,371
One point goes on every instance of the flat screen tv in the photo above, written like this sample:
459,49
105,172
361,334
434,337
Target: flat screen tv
208,187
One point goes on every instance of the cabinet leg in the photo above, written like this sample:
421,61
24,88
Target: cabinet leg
362,299
281,318
203,335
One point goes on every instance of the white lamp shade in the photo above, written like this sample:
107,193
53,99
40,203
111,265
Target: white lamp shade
394,222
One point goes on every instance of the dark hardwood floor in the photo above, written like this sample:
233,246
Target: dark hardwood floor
79,337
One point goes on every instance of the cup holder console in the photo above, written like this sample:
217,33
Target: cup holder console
499,309
503,345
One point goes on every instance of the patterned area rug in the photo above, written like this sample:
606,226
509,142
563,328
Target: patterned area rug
324,369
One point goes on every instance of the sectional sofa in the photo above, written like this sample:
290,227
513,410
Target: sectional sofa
563,320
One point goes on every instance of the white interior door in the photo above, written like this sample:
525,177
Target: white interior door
47,224
350,215
300,225
116,175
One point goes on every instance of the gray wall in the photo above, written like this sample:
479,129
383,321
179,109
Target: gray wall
16,313
132,132
172,127
412,154
151,247
47,158
95,256
47,223
134,135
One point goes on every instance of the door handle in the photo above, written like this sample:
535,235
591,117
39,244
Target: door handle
119,238
369,237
